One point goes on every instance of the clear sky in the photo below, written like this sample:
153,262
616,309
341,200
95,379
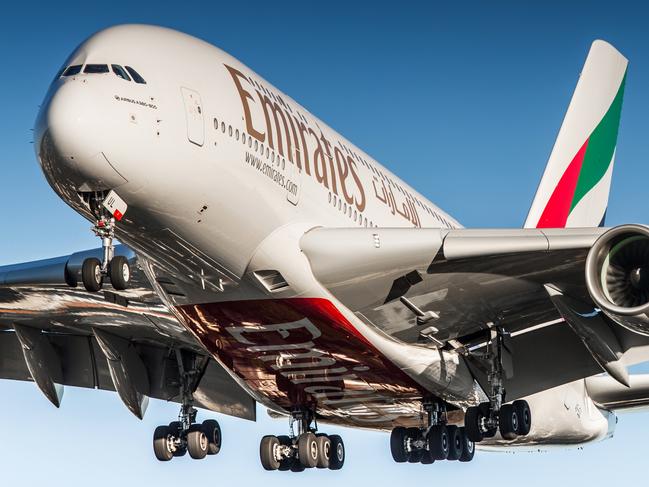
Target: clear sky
461,99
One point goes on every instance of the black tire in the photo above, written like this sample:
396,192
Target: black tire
508,422
286,462
307,449
91,275
337,458
427,458
162,446
212,430
297,466
485,409
468,447
473,418
398,439
414,455
438,442
454,442
324,451
119,271
175,428
197,442
524,413
267,448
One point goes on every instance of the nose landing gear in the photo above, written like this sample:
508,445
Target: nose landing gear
116,267
303,449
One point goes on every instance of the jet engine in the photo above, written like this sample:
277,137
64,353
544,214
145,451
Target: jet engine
617,276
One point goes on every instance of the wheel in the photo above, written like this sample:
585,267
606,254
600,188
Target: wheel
524,414
508,421
427,458
212,430
414,454
163,444
197,442
454,442
307,449
438,442
468,447
485,408
120,272
473,418
337,458
398,439
91,275
296,465
286,462
175,428
324,451
268,452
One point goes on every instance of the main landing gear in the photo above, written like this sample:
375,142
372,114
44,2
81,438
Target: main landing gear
186,435
304,448
438,441
484,420
116,267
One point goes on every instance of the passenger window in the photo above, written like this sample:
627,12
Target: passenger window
72,70
95,68
135,75
119,71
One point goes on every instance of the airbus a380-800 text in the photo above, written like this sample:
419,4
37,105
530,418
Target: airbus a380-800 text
265,259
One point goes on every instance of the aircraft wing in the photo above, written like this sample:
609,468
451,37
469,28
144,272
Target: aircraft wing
448,288
128,341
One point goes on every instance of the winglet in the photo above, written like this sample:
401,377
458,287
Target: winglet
575,185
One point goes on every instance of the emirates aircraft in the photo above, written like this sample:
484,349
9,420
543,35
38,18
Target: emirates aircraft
268,260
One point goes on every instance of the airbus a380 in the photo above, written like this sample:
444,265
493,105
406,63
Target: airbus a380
268,260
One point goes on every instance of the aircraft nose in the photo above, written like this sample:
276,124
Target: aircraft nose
70,138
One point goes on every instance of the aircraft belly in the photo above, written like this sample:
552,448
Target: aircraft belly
304,352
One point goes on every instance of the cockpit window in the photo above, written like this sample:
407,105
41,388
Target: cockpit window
96,68
136,77
72,70
119,71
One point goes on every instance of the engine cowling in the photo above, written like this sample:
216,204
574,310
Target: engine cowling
617,276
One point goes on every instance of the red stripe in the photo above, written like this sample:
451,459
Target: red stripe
555,214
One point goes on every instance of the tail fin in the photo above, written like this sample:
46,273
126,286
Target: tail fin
575,185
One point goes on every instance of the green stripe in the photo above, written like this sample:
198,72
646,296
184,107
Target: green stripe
601,146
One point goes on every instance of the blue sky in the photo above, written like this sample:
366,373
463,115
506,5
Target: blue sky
463,100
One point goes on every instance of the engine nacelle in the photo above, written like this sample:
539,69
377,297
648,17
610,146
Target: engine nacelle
617,276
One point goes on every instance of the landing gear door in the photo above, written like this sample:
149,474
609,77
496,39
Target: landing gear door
194,116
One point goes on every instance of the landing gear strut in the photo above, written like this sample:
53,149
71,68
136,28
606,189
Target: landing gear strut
116,267
484,420
185,435
438,441
304,448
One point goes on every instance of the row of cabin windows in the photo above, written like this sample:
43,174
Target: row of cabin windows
252,144
270,154
397,186
348,210
127,73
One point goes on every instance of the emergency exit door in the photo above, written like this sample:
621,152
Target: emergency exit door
194,116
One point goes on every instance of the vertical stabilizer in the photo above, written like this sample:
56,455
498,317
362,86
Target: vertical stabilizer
575,185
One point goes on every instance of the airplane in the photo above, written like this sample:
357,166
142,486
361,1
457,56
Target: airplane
266,260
